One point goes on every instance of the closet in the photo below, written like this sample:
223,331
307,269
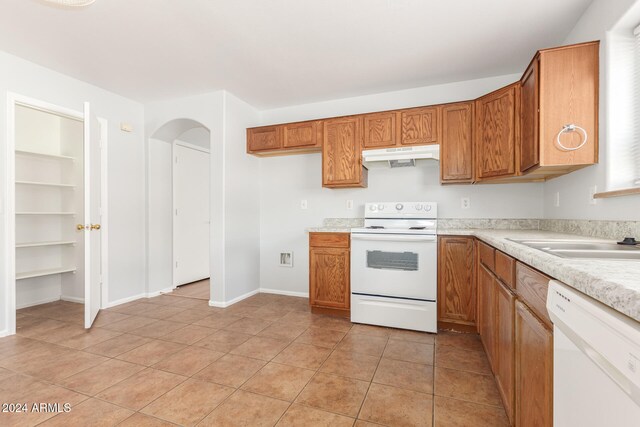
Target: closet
49,207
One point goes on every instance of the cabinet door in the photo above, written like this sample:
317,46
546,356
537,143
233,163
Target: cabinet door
486,305
380,130
305,134
456,149
329,277
534,370
505,345
456,281
419,126
496,133
264,138
529,116
342,152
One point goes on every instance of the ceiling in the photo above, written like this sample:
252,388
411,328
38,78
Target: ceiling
274,53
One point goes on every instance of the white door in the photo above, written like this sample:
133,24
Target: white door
191,215
92,232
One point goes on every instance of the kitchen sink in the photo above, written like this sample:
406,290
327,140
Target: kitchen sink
583,249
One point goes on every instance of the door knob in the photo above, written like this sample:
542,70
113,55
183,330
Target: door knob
80,227
95,226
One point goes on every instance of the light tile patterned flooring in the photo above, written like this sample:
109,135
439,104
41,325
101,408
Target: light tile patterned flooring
198,289
264,361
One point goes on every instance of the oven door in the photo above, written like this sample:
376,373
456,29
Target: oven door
394,265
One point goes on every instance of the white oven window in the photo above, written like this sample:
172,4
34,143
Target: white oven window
405,261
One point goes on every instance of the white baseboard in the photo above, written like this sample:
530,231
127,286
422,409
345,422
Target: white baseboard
32,303
124,300
160,292
225,304
72,299
4,333
288,293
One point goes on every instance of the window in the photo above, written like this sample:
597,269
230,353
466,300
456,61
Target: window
623,109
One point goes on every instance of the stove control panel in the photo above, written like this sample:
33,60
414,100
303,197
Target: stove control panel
401,210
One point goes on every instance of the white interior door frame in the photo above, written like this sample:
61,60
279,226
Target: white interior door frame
104,210
14,99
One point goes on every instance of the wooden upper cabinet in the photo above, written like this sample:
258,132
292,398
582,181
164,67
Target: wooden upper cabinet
456,280
342,153
305,134
419,126
529,111
496,133
380,130
456,148
534,370
265,138
568,90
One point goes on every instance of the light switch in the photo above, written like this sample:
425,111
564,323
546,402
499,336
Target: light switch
303,204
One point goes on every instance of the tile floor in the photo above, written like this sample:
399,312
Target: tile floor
264,361
198,290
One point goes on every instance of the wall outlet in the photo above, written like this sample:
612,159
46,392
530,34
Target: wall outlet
592,191
556,200
465,203
350,205
303,204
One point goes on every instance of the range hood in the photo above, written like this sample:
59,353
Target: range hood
401,156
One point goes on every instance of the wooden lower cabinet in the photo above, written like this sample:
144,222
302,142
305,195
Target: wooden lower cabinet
505,346
486,313
534,369
456,283
329,273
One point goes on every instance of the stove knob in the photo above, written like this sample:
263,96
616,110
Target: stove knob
373,208
399,206
418,207
427,208
381,207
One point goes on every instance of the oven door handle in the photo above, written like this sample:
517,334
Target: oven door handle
394,237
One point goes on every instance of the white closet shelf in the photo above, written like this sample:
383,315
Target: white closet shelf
40,244
41,273
46,184
46,213
43,155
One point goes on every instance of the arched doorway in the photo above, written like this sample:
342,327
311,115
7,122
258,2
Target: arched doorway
178,229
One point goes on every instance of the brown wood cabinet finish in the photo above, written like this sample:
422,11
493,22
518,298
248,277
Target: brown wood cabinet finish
380,130
496,133
419,126
532,287
266,138
529,110
304,134
506,269
456,280
487,313
456,148
487,255
505,346
342,153
329,272
534,370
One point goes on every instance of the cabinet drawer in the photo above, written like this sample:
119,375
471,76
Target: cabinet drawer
505,269
532,287
487,256
330,240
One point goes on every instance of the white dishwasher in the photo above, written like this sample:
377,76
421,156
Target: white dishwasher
596,358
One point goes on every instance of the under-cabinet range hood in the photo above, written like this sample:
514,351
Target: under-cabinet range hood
401,156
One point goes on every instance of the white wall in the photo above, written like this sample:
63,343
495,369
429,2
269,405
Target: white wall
160,219
126,166
597,20
234,191
242,202
286,180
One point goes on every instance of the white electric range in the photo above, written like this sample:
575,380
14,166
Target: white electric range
394,262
